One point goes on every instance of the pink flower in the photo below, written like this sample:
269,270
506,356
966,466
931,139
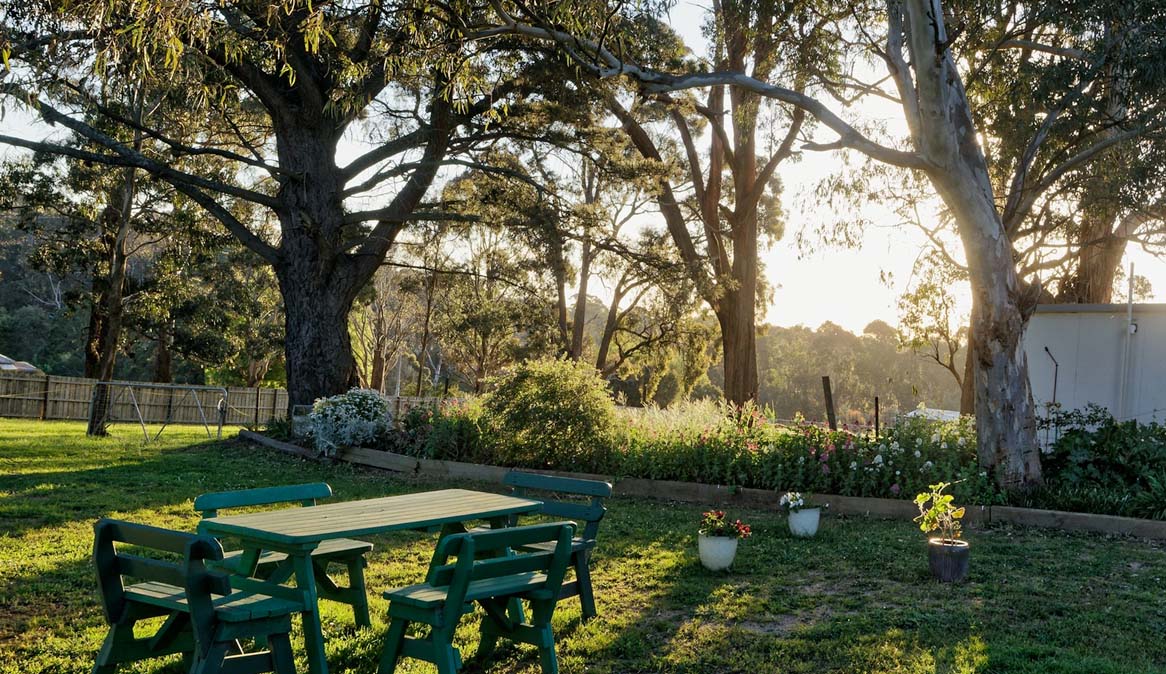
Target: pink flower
895,489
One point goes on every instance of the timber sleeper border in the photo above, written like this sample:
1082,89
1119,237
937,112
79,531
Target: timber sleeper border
695,492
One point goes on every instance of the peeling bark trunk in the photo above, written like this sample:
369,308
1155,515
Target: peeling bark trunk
945,135
968,382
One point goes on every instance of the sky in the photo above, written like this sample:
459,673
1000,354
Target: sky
844,285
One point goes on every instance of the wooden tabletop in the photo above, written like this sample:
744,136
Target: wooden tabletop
313,524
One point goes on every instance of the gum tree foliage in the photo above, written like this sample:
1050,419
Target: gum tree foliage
929,323
733,206
1070,100
290,82
912,40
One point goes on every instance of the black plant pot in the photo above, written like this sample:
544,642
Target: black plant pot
948,559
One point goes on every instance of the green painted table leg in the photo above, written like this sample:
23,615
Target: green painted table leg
313,630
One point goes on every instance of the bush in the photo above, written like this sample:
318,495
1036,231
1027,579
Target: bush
354,419
550,413
1099,464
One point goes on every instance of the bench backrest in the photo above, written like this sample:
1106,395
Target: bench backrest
113,564
522,484
209,505
484,555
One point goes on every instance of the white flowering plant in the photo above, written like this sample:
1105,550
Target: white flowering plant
794,501
353,419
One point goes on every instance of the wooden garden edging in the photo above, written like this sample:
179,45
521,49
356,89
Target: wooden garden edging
695,492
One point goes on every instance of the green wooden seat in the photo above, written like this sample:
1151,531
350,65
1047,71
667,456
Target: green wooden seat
489,572
273,564
589,514
203,617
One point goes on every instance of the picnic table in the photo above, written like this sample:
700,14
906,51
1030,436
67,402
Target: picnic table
297,531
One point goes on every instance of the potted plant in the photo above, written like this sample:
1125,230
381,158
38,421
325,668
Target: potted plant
804,516
718,539
947,554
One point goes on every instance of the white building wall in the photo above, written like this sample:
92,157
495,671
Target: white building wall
1090,341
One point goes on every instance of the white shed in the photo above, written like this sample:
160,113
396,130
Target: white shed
1102,354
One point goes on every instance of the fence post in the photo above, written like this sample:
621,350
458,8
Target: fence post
829,404
258,391
44,401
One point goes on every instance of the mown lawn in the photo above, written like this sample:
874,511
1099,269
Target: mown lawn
855,599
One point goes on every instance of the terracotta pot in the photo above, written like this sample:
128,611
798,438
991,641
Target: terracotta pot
717,552
804,523
948,559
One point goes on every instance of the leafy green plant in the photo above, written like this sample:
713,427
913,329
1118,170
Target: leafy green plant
550,413
280,429
938,513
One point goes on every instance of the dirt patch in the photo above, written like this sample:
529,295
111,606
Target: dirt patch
784,625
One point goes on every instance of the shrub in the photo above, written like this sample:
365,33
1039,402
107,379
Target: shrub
550,413
350,419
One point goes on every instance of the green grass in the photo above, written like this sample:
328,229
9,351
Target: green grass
855,599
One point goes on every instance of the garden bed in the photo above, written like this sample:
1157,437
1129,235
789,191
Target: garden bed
707,494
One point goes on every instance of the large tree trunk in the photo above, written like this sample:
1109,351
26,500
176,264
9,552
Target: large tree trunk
317,346
319,282
109,309
736,316
1102,246
945,135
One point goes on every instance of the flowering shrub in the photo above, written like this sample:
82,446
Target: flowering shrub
352,419
713,523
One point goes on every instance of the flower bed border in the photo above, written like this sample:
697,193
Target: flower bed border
695,492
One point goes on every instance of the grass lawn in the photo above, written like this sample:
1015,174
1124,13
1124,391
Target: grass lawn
855,599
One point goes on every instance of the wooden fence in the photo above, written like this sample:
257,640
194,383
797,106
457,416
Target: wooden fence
52,397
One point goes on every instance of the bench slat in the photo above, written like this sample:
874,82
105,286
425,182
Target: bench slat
243,498
569,485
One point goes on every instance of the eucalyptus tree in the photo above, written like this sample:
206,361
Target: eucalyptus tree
734,200
290,88
942,144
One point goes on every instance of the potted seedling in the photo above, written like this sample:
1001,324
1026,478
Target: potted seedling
804,516
947,554
718,539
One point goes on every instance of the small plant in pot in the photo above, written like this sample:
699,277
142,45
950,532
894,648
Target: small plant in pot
947,554
804,516
718,539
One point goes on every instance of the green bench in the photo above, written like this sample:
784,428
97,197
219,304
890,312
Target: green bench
273,565
590,514
491,572
203,617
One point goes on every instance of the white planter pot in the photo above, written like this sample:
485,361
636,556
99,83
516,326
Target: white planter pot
804,523
717,552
